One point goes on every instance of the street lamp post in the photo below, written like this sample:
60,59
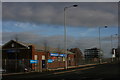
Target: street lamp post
112,48
112,40
118,47
65,38
100,44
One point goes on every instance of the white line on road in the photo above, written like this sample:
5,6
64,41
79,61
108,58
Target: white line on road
73,70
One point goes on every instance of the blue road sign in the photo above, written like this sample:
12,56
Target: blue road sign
62,55
50,60
33,61
54,54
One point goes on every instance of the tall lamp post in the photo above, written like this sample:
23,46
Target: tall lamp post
100,44
112,40
65,38
118,47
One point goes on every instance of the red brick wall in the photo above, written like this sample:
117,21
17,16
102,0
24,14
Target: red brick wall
56,64
60,64
39,54
71,62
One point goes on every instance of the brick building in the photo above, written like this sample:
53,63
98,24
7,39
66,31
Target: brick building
16,56
78,55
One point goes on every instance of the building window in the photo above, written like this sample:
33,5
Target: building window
63,58
60,59
12,45
43,57
68,58
35,57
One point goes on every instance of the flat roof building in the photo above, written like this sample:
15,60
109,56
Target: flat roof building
92,54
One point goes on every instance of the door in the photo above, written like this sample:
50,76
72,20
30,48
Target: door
43,64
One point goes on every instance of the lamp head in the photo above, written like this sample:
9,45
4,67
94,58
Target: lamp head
75,5
106,26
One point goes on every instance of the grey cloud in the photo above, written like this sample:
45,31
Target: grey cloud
61,1
108,38
22,36
87,14
92,18
58,41
106,47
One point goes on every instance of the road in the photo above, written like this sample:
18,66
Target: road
107,71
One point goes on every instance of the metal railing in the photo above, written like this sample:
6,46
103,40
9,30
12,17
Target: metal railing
13,66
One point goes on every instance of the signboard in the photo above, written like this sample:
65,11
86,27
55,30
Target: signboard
50,60
33,61
54,54
62,55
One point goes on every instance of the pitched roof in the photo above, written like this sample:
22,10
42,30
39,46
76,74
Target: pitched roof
53,50
39,48
21,43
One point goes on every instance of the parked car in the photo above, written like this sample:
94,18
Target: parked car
27,69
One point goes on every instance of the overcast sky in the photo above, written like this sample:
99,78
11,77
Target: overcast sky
60,0
35,22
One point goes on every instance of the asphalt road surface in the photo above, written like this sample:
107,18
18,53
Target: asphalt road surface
107,71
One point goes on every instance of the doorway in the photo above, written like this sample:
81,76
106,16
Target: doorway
43,64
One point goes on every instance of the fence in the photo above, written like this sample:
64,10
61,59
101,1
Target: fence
12,65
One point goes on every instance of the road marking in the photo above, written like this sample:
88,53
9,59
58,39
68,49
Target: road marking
15,73
85,68
73,70
99,79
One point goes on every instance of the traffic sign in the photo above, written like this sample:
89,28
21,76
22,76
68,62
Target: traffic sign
50,60
33,61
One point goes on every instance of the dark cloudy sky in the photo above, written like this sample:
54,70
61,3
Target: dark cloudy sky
35,22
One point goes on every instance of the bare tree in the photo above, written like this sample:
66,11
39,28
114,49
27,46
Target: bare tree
46,49
58,47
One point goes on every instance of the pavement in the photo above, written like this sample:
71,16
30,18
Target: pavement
71,67
52,70
104,71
